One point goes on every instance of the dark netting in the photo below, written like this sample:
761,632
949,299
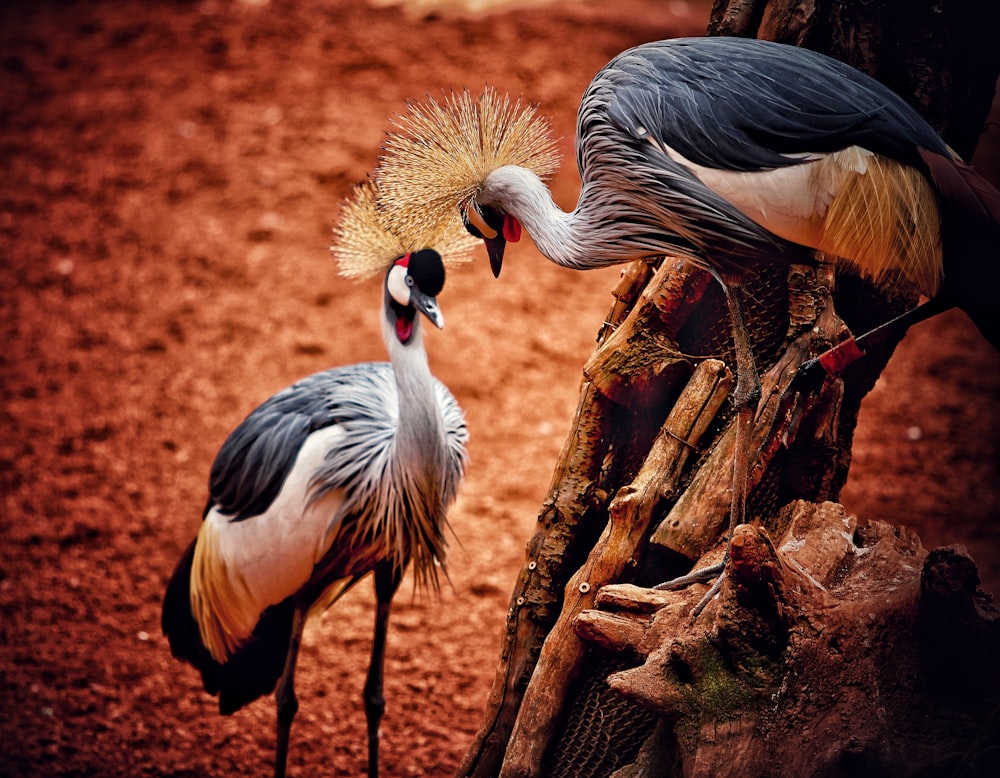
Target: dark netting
707,331
603,731
766,302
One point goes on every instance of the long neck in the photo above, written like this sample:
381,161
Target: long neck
591,235
414,519
519,192
419,429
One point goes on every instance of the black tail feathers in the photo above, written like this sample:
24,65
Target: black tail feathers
250,673
970,223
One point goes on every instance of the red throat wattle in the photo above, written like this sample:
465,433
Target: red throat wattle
404,329
511,229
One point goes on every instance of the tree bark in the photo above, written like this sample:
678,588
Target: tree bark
801,668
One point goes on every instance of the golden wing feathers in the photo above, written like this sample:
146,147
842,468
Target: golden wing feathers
884,219
366,244
440,153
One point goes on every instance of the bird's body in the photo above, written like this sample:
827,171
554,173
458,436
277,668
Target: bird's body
330,511
347,472
721,150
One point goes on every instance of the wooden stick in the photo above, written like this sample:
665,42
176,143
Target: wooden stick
630,514
640,355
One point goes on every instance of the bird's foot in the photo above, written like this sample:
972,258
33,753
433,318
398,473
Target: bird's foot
695,576
714,573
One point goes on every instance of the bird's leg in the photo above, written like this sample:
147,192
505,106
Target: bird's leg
287,703
387,579
746,395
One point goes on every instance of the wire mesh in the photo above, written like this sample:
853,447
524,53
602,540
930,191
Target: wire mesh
708,332
603,731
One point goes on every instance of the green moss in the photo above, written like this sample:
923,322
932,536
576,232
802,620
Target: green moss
716,691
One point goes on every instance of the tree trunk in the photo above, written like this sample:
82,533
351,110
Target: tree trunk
640,494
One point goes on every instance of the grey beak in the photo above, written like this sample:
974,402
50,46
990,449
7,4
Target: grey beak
428,306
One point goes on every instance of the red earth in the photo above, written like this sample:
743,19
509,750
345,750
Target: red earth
173,171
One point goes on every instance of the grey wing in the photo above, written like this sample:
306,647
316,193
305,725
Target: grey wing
738,104
256,458
623,125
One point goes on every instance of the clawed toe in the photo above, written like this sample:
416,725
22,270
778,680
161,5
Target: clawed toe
714,573
697,576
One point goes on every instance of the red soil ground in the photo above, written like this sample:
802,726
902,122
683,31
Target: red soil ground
173,171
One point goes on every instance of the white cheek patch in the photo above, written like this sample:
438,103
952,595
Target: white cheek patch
397,286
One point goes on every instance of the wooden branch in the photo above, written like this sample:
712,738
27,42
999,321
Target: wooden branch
639,358
630,514
635,277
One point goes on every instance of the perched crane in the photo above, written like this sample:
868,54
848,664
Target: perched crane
347,472
718,150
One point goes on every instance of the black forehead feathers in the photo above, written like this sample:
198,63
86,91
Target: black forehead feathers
427,271
491,216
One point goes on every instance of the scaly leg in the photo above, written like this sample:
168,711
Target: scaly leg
746,395
287,703
386,581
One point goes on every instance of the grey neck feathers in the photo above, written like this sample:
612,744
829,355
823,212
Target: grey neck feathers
594,234
412,515
419,427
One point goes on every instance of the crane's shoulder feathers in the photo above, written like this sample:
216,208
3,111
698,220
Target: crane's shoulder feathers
739,104
256,458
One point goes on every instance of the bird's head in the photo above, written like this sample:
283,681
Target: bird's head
444,152
366,244
411,286
494,227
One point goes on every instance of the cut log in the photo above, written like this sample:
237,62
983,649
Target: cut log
831,652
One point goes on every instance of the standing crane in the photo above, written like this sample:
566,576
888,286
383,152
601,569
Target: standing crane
347,472
718,150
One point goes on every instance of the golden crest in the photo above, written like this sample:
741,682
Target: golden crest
365,243
441,152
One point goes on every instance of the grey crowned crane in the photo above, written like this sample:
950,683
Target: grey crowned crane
718,150
347,472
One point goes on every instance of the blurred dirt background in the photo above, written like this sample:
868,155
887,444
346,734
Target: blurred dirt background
171,174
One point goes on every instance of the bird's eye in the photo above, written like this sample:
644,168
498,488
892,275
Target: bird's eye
482,221
409,281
